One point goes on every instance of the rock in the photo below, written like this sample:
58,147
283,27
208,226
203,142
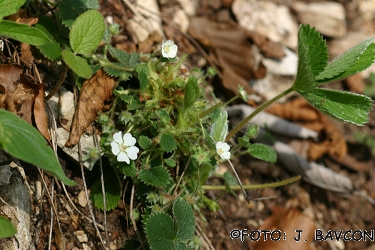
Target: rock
62,107
17,208
367,9
271,20
286,66
82,237
146,19
82,199
327,17
182,20
188,6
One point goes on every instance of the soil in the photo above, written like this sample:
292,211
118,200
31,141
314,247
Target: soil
332,211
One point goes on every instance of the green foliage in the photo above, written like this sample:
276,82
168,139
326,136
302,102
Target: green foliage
77,64
87,32
191,92
112,188
311,72
168,143
165,232
262,152
69,10
6,228
23,33
219,128
50,50
144,142
154,176
9,7
23,141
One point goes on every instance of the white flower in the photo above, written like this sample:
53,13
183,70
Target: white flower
222,149
169,49
124,147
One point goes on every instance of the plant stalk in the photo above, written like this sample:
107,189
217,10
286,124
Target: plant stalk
257,111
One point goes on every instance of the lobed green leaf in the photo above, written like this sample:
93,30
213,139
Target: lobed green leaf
21,140
168,143
77,64
112,188
50,50
159,231
144,142
154,176
357,59
126,59
143,74
23,33
185,220
191,92
343,106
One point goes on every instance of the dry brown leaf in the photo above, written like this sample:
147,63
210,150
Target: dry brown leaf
268,48
228,44
40,115
287,221
26,55
355,83
299,110
94,93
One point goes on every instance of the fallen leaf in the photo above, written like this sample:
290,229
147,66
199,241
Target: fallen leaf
300,111
228,44
26,55
94,93
267,47
287,222
40,115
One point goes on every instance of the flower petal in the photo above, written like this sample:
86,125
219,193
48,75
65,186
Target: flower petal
123,157
117,137
167,43
225,155
219,145
225,147
115,148
173,51
132,152
129,140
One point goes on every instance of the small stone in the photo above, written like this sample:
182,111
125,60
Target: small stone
82,201
327,17
82,237
182,20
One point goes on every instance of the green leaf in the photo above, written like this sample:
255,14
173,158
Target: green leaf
9,7
344,106
312,57
230,180
168,143
127,60
262,152
127,170
185,220
159,231
50,50
114,71
77,64
191,92
154,176
165,233
142,70
351,62
69,10
6,228
219,128
170,162
112,188
23,33
144,142
87,32
23,141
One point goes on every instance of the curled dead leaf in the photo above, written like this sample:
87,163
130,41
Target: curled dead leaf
94,93
228,44
287,222
300,111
